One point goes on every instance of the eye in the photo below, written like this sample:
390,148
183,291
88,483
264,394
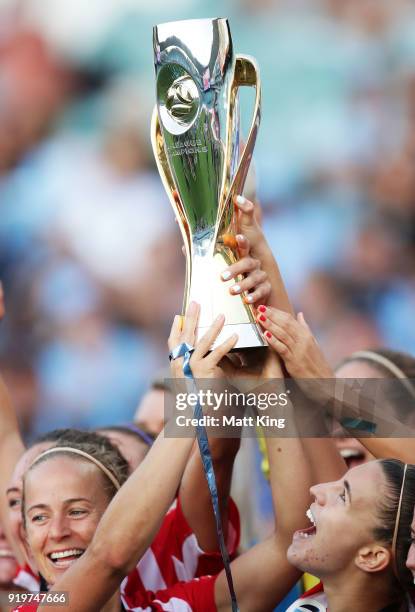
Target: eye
14,503
77,512
343,496
38,518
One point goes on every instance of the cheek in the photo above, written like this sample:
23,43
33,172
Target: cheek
336,539
15,520
86,529
35,537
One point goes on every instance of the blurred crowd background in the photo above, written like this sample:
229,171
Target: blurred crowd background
90,255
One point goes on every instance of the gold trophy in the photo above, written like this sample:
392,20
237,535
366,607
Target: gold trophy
195,138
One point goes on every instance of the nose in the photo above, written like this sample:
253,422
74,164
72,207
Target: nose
319,493
59,528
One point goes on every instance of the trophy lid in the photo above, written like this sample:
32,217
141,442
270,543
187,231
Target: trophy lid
199,36
187,22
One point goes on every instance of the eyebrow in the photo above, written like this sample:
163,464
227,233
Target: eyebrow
12,490
348,489
66,502
40,506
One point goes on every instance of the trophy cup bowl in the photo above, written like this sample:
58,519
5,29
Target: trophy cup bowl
196,142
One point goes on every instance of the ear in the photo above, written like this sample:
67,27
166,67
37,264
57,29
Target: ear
374,558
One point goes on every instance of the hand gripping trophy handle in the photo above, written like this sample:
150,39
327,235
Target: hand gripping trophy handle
203,167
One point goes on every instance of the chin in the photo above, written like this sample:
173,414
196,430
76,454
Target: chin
8,569
294,556
298,558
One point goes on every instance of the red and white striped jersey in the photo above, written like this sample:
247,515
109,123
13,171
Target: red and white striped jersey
197,595
26,579
194,596
175,556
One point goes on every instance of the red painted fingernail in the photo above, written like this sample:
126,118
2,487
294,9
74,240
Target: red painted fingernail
268,335
262,318
261,308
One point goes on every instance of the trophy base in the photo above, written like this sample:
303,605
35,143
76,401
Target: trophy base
248,336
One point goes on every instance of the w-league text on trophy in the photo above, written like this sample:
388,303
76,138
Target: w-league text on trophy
195,138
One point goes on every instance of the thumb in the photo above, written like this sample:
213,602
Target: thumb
246,210
302,321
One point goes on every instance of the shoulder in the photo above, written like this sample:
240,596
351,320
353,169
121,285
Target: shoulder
26,578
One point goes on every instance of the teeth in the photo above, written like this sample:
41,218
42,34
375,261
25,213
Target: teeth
310,517
66,553
347,453
6,553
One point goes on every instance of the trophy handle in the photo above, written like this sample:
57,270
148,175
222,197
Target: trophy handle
163,167
246,75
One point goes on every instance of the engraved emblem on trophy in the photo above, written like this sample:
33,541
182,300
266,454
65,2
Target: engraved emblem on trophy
196,143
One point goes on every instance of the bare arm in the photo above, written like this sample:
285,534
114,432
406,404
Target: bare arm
263,280
195,496
11,449
11,443
127,527
304,360
260,249
326,462
263,575
133,517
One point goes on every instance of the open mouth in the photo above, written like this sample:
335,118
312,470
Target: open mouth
352,457
303,534
65,558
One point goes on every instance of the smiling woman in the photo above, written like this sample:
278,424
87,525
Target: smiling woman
60,522
8,563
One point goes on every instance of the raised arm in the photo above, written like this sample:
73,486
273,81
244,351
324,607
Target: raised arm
260,249
263,576
294,341
308,360
194,493
133,517
11,449
195,496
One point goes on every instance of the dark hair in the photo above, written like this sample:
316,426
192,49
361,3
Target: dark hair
387,511
67,435
99,447
131,430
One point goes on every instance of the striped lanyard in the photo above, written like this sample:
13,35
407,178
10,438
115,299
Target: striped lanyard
185,351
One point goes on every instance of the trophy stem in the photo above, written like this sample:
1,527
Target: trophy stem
209,259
